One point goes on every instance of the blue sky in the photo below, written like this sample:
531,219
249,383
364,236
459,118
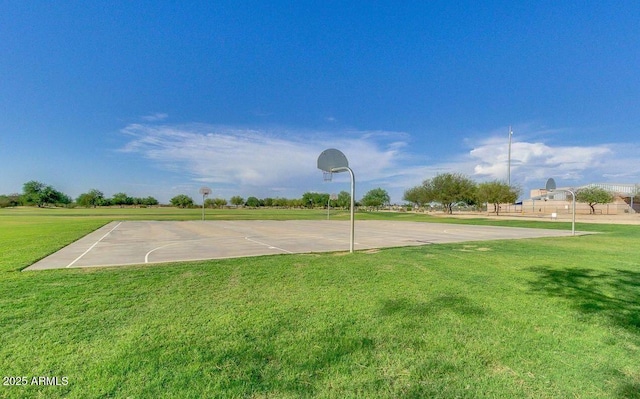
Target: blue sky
160,98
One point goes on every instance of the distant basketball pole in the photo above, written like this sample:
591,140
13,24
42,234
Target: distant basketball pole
551,187
205,191
334,161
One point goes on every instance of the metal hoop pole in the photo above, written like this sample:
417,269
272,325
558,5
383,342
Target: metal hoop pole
328,207
353,195
573,219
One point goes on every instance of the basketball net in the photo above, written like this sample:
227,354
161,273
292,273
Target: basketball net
327,176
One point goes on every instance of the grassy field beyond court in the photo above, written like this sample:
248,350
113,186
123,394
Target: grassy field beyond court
535,318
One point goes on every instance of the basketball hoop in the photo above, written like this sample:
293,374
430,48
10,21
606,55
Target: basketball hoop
332,160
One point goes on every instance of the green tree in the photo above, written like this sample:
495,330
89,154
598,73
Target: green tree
307,199
295,203
182,201
121,199
32,192
376,198
219,202
237,200
149,201
281,202
253,202
418,195
10,200
451,188
344,200
215,202
93,198
40,194
496,193
62,199
313,199
84,200
593,196
52,196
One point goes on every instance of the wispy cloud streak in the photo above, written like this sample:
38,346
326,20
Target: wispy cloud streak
155,117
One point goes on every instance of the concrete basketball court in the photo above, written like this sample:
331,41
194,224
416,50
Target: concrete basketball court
140,242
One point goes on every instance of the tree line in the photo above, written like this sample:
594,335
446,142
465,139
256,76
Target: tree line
373,198
449,189
446,189
35,193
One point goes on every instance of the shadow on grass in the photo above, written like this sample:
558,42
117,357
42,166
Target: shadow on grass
630,391
455,303
273,363
614,295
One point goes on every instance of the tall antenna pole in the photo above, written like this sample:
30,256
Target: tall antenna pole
509,161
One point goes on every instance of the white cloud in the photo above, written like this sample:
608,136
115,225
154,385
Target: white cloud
248,158
537,159
283,163
533,162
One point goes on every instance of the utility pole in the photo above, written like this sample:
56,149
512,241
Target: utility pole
509,160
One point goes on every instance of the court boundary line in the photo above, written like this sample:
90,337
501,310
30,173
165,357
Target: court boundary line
268,245
146,257
91,247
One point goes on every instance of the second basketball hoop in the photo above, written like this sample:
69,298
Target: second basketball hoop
333,161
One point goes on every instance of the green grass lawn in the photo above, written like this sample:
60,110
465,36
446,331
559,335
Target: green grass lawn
536,318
